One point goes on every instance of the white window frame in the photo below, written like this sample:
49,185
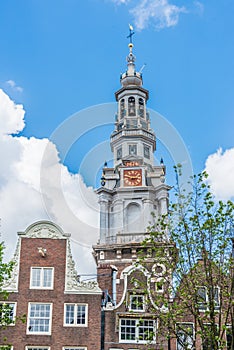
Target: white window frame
217,305
200,303
36,347
42,269
50,319
137,340
228,327
193,335
206,302
131,303
159,282
74,348
75,324
14,311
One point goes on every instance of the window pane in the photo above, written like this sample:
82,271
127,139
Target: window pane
47,278
7,313
36,277
128,330
230,341
70,313
216,297
131,106
184,336
146,330
137,302
201,294
81,310
39,318
37,348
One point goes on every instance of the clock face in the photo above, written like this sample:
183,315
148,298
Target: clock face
132,177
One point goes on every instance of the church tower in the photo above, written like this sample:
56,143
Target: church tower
133,194
134,187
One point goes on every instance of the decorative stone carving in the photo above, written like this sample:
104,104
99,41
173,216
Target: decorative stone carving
44,229
72,285
11,285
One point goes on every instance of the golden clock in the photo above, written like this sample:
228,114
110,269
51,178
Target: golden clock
132,177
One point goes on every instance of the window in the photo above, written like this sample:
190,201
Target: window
208,342
137,303
229,338
39,318
37,348
7,313
203,299
75,315
131,106
216,298
42,277
132,149
119,153
159,286
136,331
141,107
146,152
131,123
122,108
72,348
184,336
6,347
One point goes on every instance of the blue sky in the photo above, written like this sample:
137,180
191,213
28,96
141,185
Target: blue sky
67,55
61,56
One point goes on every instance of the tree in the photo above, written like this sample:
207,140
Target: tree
194,303
5,308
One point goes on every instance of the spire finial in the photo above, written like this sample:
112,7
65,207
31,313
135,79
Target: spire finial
131,33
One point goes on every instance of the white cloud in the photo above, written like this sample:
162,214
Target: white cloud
199,7
65,200
11,115
220,167
160,12
14,86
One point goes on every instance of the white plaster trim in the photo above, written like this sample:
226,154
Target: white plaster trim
72,286
11,285
124,275
44,229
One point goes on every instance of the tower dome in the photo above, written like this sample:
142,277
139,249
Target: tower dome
131,77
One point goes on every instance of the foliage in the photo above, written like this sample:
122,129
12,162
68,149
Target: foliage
5,308
193,243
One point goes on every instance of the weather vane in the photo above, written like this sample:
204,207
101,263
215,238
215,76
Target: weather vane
131,32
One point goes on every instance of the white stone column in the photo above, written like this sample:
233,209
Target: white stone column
103,202
147,216
118,212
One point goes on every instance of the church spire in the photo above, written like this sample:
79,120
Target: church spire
131,77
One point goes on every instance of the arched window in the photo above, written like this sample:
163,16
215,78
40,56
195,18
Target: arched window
131,106
141,107
122,108
133,218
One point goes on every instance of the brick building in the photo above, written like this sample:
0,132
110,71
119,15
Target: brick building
61,313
